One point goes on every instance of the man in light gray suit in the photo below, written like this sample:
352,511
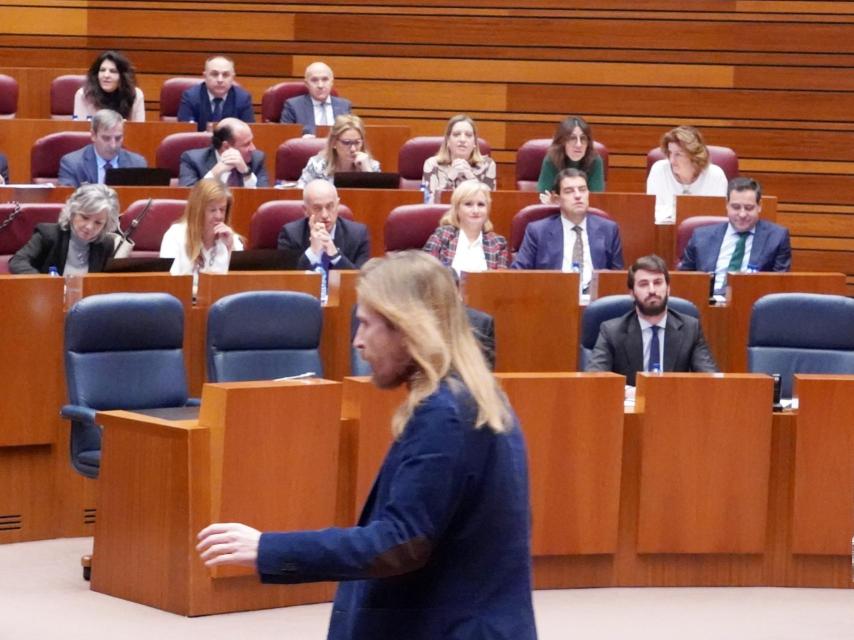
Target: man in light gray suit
650,337
89,165
318,106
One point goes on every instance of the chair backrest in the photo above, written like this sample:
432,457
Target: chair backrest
20,230
48,151
271,216
413,153
263,335
529,161
535,212
686,229
170,96
62,90
801,333
410,225
609,307
149,232
724,157
8,96
274,98
168,154
292,156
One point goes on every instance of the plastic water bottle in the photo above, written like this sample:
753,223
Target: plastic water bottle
752,267
425,192
73,289
324,283
53,271
656,368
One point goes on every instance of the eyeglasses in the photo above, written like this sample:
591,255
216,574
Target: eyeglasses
578,139
351,143
747,208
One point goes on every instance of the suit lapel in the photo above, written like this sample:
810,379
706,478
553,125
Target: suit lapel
672,341
633,343
594,239
710,261
554,244
757,250
90,164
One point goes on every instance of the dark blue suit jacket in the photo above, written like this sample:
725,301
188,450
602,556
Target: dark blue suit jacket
300,109
442,548
771,250
351,239
196,106
195,163
81,166
542,247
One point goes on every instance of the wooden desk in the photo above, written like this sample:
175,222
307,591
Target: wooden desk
162,481
729,326
536,317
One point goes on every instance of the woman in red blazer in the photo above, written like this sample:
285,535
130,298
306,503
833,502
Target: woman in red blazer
464,239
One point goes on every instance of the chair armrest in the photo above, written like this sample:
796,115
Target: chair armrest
79,414
194,402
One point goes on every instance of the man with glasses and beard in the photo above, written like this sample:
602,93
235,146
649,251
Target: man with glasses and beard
651,337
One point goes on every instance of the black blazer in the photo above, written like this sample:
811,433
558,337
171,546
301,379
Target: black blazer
49,247
351,239
619,347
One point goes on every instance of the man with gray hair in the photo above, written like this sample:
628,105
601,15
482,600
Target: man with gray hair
323,237
89,165
318,106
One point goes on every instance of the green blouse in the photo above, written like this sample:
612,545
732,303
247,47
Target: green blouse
548,173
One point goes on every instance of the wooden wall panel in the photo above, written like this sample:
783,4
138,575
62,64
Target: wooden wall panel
770,79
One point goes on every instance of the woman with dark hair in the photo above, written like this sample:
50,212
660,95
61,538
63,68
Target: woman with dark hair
202,240
458,160
81,240
110,84
572,148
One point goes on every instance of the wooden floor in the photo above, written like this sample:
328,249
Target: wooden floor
43,596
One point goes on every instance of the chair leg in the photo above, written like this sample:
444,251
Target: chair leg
86,563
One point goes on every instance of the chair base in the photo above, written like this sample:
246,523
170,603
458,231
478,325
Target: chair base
86,563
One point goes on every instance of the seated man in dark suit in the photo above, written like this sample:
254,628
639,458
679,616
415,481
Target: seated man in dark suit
318,106
745,243
323,237
232,158
650,337
572,240
215,98
4,170
89,164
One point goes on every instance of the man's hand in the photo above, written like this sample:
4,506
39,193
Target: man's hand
228,543
228,160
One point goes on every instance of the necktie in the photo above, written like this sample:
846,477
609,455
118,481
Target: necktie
654,351
578,249
738,252
109,164
216,116
235,178
322,120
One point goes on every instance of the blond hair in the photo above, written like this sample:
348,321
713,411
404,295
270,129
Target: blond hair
203,193
444,155
415,294
343,123
467,189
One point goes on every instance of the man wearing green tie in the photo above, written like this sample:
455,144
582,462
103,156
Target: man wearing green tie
743,244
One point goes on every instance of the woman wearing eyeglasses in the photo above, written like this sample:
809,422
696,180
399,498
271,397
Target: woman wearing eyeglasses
346,150
571,148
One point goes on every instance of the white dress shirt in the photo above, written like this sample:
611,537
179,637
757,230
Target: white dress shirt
323,110
469,256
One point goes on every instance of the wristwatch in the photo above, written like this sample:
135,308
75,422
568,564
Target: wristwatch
248,172
335,256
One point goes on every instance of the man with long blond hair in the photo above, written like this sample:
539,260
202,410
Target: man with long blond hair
442,548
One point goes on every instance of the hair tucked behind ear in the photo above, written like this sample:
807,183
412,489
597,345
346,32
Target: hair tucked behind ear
417,295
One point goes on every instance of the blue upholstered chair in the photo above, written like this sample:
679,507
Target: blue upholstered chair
122,351
262,335
801,333
608,307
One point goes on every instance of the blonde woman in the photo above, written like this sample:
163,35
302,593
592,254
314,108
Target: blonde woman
202,240
346,150
443,542
464,239
458,160
685,170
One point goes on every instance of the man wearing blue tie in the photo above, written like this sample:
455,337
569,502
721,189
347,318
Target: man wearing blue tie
216,98
650,337
744,243
89,165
